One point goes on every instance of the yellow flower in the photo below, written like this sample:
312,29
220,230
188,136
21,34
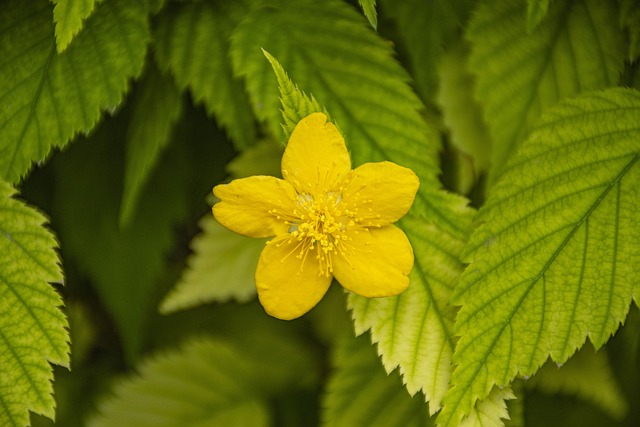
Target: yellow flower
328,221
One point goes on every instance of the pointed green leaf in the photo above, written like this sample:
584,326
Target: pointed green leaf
360,393
351,71
48,97
577,47
536,11
32,327
69,15
424,29
221,268
587,375
555,259
369,9
157,106
192,42
296,104
490,411
414,330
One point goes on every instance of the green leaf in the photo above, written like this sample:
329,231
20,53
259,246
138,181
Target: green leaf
221,268
536,11
223,263
68,16
576,48
424,29
296,104
192,42
587,375
351,71
33,329
215,381
360,393
369,9
461,113
414,330
157,106
126,265
203,384
490,411
553,261
48,97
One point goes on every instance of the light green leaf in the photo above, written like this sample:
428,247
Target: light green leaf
192,42
351,71
587,375
414,330
360,393
296,104
33,329
68,16
424,29
157,106
555,259
490,411
206,383
221,268
577,47
48,97
536,11
369,9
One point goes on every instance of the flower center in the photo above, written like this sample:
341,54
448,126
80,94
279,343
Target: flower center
321,227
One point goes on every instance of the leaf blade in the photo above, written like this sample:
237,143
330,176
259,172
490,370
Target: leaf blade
193,43
49,96
68,16
539,298
578,47
32,326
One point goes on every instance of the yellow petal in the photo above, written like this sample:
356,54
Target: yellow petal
316,159
382,192
287,286
251,206
376,263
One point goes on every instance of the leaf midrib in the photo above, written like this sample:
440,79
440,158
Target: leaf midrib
30,115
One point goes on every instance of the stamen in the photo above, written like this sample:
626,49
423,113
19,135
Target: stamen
324,224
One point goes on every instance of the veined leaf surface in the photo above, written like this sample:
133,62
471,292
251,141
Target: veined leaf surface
520,74
48,97
33,329
68,16
556,258
359,393
193,43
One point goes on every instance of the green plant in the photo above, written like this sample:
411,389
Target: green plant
520,118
